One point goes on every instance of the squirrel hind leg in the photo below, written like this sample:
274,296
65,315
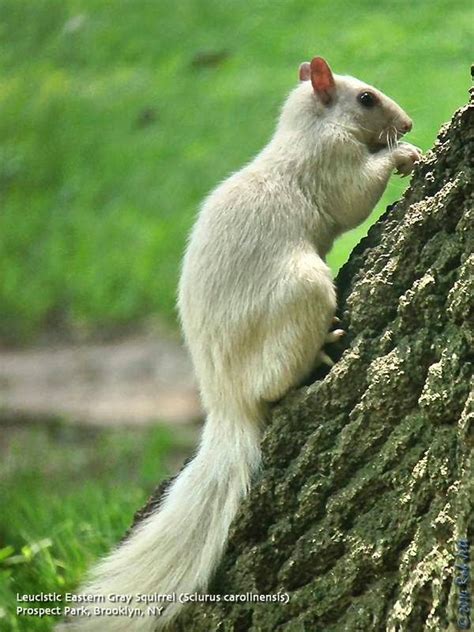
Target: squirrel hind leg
323,362
287,356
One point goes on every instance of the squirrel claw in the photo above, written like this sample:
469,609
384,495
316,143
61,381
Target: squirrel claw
334,336
325,359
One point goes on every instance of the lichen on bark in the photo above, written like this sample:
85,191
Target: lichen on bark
367,474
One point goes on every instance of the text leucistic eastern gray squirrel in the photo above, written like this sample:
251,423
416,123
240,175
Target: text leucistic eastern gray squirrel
257,300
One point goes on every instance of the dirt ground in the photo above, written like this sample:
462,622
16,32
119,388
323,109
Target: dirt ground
136,380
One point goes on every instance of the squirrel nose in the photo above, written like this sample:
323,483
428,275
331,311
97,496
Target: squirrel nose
406,126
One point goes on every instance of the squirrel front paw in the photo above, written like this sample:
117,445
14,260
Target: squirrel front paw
405,156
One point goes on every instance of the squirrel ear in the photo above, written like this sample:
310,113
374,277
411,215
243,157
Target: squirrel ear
322,79
305,71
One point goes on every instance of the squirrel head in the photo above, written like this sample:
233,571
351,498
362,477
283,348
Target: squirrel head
361,110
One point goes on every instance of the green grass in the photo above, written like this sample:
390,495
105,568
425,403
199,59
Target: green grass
110,136
67,495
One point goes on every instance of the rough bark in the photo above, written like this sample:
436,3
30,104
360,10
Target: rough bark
367,474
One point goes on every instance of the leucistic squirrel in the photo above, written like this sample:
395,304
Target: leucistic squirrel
256,301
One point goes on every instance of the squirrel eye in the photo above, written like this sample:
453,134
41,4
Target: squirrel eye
367,99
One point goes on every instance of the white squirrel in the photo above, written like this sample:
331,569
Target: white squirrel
256,300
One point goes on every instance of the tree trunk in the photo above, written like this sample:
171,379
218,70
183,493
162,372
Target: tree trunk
365,492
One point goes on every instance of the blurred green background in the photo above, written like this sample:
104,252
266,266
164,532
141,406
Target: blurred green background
116,118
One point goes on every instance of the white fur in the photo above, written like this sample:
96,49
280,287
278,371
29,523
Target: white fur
256,301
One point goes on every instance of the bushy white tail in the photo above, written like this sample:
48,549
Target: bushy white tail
176,549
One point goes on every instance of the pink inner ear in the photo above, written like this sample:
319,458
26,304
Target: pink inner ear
322,79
